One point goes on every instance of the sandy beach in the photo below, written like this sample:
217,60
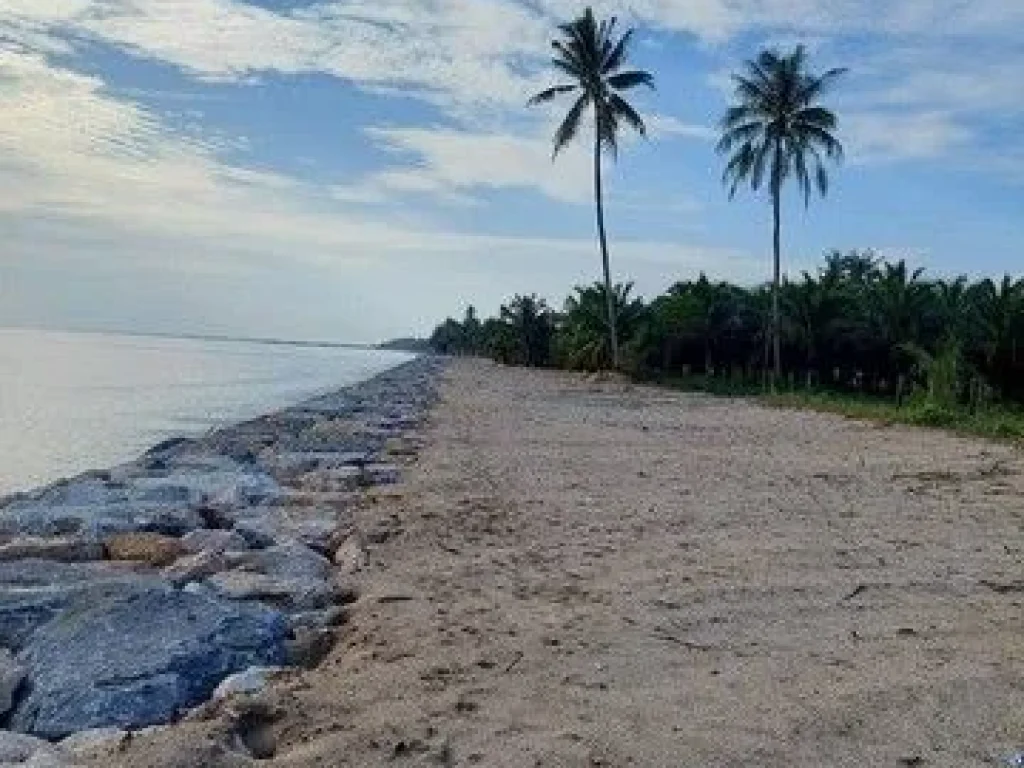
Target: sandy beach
583,572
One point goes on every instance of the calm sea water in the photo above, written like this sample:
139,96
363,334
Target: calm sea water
76,401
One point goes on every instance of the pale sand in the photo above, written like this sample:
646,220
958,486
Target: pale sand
588,573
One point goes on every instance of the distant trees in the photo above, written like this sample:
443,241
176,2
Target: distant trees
594,58
858,323
778,130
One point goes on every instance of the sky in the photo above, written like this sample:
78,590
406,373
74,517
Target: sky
354,171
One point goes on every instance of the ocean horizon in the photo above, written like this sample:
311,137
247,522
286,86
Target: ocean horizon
71,401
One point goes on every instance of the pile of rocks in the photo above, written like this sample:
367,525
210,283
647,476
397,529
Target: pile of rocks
127,596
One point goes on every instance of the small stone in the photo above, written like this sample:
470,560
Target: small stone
12,673
381,474
308,647
252,680
64,549
152,548
21,749
351,556
322,619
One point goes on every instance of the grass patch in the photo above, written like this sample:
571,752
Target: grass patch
994,421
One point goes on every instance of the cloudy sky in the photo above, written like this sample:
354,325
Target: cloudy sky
355,170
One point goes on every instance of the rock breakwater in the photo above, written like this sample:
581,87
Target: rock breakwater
128,595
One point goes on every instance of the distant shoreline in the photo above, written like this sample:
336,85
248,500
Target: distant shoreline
388,345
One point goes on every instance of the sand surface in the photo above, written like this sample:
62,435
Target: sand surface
585,573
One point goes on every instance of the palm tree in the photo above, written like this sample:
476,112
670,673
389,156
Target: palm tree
778,127
584,334
531,325
594,57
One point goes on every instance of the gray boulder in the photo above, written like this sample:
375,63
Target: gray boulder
134,661
230,485
285,592
195,567
65,549
12,672
316,527
19,749
32,592
212,540
289,558
27,517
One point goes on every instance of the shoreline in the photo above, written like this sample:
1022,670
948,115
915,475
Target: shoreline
204,556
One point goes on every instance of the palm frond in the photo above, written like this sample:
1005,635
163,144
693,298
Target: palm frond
570,126
624,109
550,93
623,81
775,128
592,55
617,56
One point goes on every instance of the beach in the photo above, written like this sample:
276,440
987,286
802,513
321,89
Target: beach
579,571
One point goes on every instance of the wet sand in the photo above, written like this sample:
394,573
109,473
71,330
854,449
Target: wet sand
580,572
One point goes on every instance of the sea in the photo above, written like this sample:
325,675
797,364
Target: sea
71,401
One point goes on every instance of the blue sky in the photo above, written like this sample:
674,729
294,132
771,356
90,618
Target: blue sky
358,170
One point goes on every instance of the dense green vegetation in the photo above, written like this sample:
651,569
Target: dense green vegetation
877,332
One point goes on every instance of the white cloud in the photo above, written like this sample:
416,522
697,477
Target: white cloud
667,126
460,161
885,136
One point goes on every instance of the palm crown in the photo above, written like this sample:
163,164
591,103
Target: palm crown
777,127
593,56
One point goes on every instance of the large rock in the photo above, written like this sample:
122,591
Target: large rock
12,672
223,484
151,548
19,749
195,567
92,507
166,502
289,558
284,592
32,592
346,478
212,540
290,464
65,549
138,660
317,527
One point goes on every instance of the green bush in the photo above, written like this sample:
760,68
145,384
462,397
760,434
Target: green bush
931,414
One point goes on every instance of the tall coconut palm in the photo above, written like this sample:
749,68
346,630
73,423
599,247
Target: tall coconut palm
777,128
594,57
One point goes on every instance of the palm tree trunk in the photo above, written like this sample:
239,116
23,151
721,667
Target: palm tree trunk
776,279
613,333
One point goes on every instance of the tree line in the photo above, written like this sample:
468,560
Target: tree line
776,130
859,323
